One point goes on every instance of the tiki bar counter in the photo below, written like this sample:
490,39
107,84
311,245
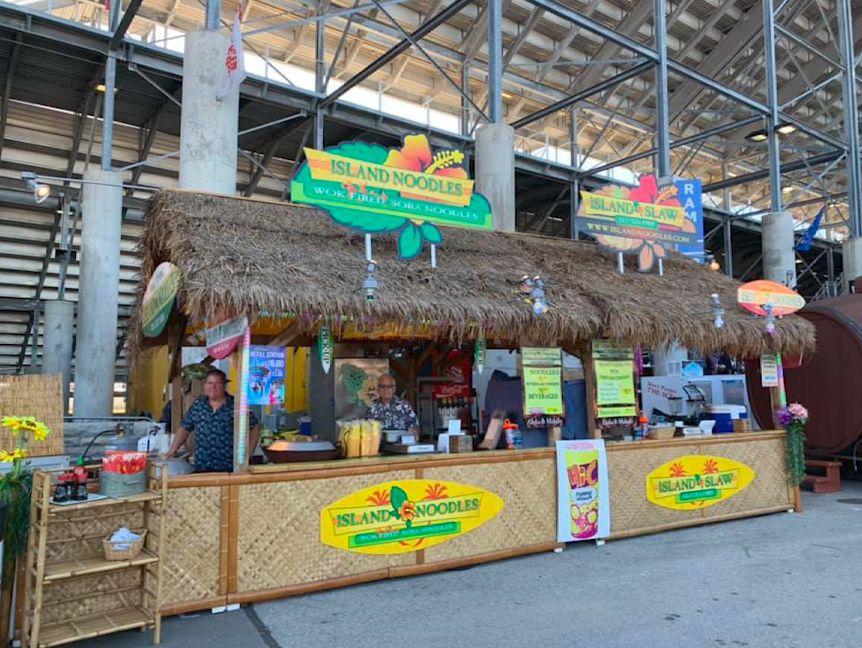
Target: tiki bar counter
417,416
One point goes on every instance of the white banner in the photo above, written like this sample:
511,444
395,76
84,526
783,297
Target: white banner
583,501
234,62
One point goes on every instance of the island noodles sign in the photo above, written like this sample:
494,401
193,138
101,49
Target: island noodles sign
403,516
645,220
408,191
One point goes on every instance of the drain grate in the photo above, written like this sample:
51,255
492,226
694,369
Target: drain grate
854,500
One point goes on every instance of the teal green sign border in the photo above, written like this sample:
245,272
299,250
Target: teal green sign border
372,210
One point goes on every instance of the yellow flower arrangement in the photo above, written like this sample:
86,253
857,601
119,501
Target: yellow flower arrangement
17,453
24,424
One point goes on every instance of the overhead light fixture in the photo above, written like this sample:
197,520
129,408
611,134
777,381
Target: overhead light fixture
40,191
100,87
757,136
786,189
761,135
785,129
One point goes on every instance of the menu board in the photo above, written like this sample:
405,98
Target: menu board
615,385
543,391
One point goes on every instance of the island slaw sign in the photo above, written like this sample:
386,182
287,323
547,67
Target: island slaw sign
643,220
223,338
405,516
696,481
754,295
159,298
409,190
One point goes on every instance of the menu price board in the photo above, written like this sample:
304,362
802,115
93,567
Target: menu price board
543,391
615,385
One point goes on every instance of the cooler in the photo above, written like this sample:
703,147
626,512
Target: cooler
724,415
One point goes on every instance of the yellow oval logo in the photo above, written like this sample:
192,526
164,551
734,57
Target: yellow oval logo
403,516
696,481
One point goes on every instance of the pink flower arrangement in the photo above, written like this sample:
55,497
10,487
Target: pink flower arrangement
793,413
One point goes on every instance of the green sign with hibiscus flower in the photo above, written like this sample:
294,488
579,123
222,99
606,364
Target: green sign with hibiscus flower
409,190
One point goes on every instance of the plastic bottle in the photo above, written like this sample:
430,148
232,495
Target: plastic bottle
642,429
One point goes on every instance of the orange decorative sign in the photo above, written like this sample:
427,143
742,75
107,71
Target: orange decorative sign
754,295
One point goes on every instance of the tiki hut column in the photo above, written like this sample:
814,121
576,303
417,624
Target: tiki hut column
495,172
779,259
208,126
851,252
99,282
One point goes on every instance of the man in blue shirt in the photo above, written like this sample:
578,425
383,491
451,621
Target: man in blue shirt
211,419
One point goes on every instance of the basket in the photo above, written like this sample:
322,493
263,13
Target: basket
122,484
134,548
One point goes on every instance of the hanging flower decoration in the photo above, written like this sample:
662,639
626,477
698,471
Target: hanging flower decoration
793,418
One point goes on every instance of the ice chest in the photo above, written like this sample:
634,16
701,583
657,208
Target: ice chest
724,416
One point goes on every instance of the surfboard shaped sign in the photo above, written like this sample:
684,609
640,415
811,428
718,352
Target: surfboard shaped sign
404,516
694,482
754,295
159,298
224,337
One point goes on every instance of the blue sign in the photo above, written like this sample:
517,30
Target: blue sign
691,199
266,374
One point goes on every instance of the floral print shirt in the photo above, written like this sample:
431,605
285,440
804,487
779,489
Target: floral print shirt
396,415
213,434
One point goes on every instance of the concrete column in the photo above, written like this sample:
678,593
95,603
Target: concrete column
495,172
665,354
57,342
102,208
851,253
779,260
208,127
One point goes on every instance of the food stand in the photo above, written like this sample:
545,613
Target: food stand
257,533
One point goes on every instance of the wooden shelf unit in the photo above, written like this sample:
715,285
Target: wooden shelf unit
72,593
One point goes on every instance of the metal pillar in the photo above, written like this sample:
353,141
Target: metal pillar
57,342
830,271
495,61
319,80
851,117
110,87
102,208
772,106
662,126
576,154
465,102
213,15
728,225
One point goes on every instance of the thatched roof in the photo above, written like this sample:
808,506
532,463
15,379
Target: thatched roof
242,255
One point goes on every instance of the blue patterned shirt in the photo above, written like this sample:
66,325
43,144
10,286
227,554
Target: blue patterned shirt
213,434
397,415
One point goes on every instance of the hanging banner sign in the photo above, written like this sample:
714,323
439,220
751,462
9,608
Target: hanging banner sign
690,195
266,375
409,190
769,370
405,516
541,356
224,337
696,481
615,385
480,351
325,348
754,295
583,502
159,298
642,220
543,391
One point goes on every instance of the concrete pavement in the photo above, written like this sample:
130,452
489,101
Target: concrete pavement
781,581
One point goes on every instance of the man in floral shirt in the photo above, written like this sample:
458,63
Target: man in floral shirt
211,419
393,412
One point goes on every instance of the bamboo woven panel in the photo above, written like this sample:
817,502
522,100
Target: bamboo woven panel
529,516
37,395
86,595
191,557
769,488
79,533
627,471
279,533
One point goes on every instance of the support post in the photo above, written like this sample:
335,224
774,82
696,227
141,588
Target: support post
779,260
576,157
851,117
728,225
772,105
208,127
495,172
102,208
57,342
851,253
110,87
495,61
319,80
662,126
